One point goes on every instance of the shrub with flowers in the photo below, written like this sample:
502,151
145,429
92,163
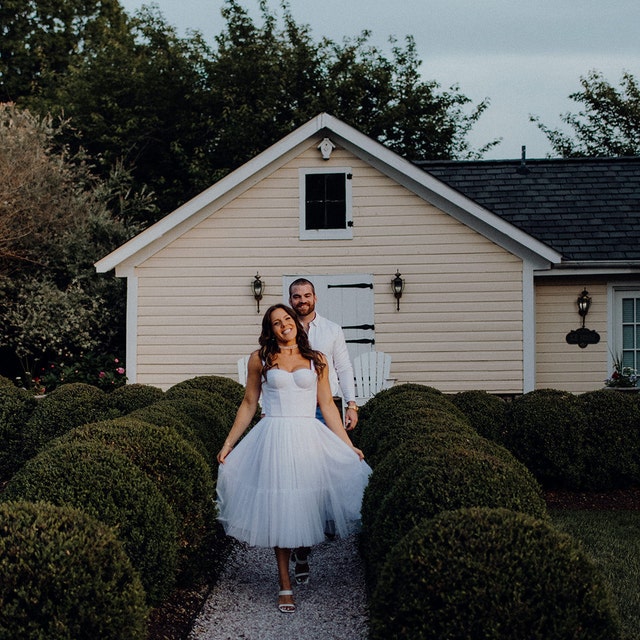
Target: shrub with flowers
622,375
107,372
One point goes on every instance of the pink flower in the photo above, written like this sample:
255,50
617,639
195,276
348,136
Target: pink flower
102,374
120,370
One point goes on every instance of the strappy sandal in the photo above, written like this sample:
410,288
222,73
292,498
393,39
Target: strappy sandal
288,607
301,571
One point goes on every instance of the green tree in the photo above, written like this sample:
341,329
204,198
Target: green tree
40,39
54,224
180,114
608,125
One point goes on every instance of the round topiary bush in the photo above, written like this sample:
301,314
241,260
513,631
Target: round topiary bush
166,414
447,477
64,408
130,397
226,387
63,574
545,430
611,440
111,488
401,420
484,411
175,467
211,425
16,407
492,574
432,395
5,382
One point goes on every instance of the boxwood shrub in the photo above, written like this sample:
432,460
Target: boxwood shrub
493,574
211,425
111,488
226,387
485,412
16,407
63,574
176,468
64,408
450,477
130,397
400,421
611,440
166,414
544,429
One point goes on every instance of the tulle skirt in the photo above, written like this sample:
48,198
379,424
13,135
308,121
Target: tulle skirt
286,480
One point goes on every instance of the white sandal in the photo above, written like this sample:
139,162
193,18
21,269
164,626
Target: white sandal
288,607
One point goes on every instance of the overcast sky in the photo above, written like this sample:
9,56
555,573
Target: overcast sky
526,56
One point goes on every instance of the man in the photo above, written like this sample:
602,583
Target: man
327,337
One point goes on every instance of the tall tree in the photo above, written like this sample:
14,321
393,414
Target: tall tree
607,125
56,220
40,39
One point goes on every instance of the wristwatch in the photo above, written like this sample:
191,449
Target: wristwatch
353,406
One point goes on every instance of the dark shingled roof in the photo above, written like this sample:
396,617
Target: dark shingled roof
587,209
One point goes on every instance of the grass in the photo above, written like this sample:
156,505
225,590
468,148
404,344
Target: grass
612,539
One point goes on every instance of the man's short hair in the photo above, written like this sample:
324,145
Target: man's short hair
301,281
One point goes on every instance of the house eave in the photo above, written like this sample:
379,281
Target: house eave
591,268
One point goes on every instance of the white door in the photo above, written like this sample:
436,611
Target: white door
348,300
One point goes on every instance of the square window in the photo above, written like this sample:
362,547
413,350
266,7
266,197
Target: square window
325,204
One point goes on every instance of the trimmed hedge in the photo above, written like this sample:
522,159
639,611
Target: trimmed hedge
63,574
545,430
400,421
16,407
130,397
179,472
68,406
485,412
430,479
492,574
226,387
611,440
210,425
111,488
166,414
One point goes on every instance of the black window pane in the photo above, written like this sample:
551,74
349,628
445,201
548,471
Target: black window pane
325,206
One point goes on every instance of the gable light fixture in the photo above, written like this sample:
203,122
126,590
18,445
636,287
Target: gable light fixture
257,287
397,286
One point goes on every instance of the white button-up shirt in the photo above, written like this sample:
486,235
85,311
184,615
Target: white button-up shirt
327,336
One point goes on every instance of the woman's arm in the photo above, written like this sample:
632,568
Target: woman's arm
330,412
247,408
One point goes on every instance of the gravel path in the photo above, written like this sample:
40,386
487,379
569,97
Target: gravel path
332,606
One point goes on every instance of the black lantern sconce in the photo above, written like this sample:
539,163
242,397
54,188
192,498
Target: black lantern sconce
584,302
397,286
257,287
583,336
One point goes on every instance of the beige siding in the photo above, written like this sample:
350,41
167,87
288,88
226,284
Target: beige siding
561,365
460,320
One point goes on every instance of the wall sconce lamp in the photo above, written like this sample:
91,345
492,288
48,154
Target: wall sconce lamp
257,287
397,286
583,336
584,302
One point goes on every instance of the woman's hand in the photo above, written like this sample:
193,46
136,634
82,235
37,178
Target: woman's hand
359,452
224,452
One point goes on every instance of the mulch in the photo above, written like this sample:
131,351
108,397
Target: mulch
616,499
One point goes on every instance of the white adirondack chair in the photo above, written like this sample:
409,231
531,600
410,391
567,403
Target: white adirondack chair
243,364
372,371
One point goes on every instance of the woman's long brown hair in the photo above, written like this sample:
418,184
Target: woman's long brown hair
269,348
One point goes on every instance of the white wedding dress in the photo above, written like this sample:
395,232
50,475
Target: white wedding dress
290,474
